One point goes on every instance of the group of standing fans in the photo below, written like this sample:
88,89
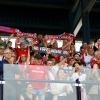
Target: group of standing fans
25,63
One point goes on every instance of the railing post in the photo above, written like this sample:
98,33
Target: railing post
78,90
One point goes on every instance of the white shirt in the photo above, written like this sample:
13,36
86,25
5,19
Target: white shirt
64,65
60,86
82,77
1,57
69,70
51,77
87,60
55,68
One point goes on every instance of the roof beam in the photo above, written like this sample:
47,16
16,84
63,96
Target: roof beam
95,10
72,11
74,7
5,2
83,7
77,18
89,6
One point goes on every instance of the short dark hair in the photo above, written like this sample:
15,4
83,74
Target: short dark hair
77,63
38,56
77,54
52,57
47,61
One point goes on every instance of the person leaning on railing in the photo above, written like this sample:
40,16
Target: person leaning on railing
61,90
94,77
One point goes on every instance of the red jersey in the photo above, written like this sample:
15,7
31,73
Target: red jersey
20,51
92,61
37,72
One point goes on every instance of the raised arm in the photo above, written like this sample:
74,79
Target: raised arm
28,58
61,62
21,97
18,60
67,45
16,43
31,43
9,38
47,54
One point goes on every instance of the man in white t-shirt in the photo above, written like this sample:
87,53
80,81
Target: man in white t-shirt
55,65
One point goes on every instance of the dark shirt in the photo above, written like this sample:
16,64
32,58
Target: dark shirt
27,98
7,70
40,43
1,67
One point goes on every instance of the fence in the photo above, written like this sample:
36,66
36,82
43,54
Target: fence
82,87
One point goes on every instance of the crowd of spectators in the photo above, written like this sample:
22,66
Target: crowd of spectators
24,63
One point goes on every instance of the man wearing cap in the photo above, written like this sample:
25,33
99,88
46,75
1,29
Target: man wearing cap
38,72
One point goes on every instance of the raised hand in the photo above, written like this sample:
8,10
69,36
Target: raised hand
53,41
48,51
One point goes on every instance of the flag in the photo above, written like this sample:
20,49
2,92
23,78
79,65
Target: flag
97,43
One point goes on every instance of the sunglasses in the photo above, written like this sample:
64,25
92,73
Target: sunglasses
2,49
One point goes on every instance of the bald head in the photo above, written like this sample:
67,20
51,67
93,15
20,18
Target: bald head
97,54
7,50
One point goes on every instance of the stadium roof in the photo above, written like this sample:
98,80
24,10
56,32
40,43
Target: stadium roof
50,16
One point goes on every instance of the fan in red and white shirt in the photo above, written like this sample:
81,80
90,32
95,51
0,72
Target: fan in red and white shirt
96,58
21,50
83,48
37,71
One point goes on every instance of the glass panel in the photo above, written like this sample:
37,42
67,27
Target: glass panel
51,82
40,81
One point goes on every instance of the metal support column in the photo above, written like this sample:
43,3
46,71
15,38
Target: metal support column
86,28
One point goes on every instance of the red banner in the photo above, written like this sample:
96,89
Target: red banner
29,35
9,30
60,37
